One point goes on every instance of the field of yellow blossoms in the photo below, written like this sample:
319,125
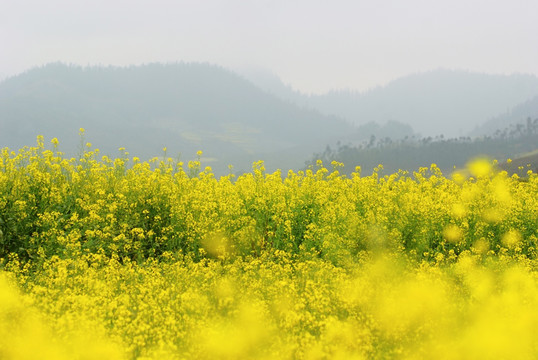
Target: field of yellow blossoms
123,259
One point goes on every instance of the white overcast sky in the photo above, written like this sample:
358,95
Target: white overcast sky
312,45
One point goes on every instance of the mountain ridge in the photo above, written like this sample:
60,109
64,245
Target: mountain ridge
184,107
518,114
438,102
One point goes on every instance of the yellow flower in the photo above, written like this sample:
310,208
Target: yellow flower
452,233
511,239
480,167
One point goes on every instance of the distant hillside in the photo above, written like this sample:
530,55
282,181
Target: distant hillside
522,164
185,107
516,115
517,143
441,102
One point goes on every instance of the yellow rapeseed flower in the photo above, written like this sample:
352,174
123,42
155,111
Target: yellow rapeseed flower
480,167
453,233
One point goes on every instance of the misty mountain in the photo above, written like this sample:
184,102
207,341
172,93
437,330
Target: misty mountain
441,102
391,129
184,107
516,115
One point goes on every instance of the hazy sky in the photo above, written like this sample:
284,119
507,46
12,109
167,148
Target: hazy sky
314,46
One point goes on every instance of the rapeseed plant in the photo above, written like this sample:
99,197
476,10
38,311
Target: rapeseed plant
121,258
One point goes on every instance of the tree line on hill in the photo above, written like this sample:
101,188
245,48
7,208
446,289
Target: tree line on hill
412,152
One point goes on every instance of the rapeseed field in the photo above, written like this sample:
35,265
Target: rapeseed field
119,258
